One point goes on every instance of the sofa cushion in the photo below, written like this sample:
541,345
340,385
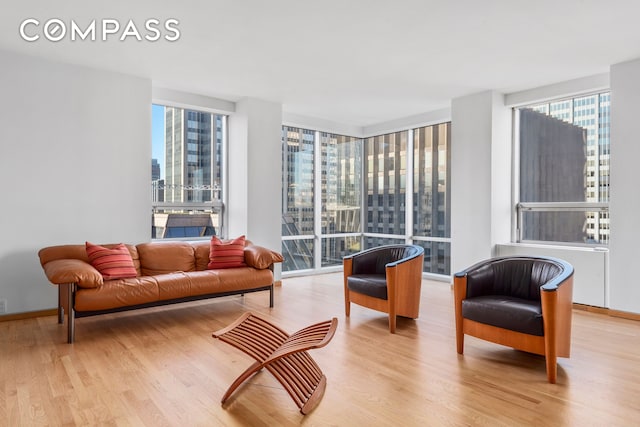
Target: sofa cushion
516,314
201,248
166,257
519,278
373,285
227,254
235,279
375,261
119,293
112,263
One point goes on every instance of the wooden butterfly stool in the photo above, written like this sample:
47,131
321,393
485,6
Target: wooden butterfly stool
284,355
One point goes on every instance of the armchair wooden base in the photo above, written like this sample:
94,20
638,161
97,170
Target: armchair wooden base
402,272
555,301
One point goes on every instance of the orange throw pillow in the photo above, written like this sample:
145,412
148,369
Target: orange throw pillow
113,263
227,254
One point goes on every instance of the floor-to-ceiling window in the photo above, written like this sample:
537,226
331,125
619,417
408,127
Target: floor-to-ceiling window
298,187
431,196
385,191
341,201
343,194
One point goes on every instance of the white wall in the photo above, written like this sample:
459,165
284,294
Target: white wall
590,268
625,197
591,264
480,177
610,283
255,173
297,120
419,120
567,89
403,123
176,98
501,171
75,166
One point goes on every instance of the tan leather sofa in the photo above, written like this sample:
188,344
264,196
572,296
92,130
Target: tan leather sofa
167,272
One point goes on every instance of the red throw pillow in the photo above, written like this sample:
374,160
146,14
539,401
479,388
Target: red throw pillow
113,263
227,254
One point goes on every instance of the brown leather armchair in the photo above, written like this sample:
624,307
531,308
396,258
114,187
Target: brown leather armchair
387,279
519,302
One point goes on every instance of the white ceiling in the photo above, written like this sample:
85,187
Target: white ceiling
358,62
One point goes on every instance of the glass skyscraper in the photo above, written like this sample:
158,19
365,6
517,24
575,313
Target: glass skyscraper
590,116
364,190
193,147
193,142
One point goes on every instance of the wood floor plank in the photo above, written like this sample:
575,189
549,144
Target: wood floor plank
161,367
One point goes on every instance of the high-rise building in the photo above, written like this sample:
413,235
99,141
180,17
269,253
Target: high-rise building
193,152
385,185
341,178
157,184
191,172
355,215
591,113
431,195
385,169
155,170
552,166
298,196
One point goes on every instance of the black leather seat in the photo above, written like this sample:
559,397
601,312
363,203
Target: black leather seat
387,279
521,302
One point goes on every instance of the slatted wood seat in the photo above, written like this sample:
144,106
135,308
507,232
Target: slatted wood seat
284,355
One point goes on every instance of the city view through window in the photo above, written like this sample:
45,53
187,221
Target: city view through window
186,172
564,170
343,194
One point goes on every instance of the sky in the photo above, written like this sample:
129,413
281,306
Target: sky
157,135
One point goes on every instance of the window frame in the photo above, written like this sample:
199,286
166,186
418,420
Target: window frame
217,205
318,238
521,208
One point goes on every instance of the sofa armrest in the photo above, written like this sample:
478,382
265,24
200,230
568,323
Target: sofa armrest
63,271
260,257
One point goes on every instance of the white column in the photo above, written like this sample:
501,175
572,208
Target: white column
480,177
255,173
624,206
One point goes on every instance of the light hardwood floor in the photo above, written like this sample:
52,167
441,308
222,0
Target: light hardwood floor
161,367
